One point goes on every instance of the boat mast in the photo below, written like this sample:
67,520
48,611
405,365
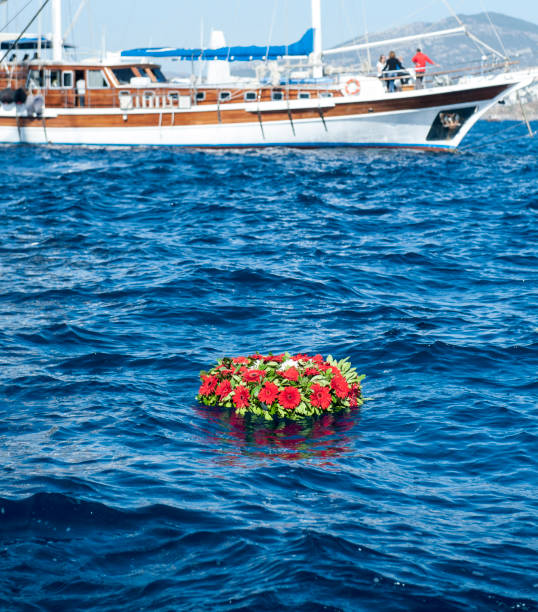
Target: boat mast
390,41
317,71
56,30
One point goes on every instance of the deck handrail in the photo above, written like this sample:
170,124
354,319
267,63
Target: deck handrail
429,73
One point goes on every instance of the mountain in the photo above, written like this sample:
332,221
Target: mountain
519,37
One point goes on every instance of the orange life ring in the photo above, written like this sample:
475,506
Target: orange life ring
353,87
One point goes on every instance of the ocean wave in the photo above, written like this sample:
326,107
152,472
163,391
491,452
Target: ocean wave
124,272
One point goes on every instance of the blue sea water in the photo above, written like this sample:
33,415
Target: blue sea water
124,272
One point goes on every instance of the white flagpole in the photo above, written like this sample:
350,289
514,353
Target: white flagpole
57,30
317,71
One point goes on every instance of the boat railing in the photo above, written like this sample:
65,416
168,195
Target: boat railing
112,98
442,78
129,100
13,74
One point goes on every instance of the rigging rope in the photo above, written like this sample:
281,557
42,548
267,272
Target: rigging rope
486,141
16,15
445,2
408,16
493,28
14,44
271,31
501,141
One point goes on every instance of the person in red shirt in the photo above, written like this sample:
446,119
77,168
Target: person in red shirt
420,60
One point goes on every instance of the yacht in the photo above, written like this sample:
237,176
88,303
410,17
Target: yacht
296,99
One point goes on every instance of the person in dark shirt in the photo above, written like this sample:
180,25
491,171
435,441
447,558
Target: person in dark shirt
392,69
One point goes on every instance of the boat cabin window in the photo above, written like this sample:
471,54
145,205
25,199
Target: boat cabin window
173,97
303,95
158,74
36,78
224,96
277,95
325,94
67,78
124,75
54,78
251,96
200,96
96,79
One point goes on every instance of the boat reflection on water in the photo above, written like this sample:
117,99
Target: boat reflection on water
234,437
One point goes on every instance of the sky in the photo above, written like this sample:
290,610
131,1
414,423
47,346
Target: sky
123,24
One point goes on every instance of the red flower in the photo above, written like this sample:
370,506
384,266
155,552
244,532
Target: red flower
253,375
239,360
354,393
224,388
208,385
300,356
324,367
268,393
291,374
318,359
241,397
340,386
289,398
277,358
311,371
320,396
335,370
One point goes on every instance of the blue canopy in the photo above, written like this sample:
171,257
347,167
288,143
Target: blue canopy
30,43
27,43
304,46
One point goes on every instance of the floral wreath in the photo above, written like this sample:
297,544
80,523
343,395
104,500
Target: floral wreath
282,386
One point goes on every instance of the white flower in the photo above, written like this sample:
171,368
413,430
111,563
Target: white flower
287,364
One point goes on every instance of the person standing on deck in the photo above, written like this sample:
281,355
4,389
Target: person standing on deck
80,87
379,67
420,60
392,69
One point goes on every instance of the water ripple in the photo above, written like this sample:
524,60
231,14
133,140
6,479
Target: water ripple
123,272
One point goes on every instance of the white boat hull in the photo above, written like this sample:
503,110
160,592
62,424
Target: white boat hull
397,128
